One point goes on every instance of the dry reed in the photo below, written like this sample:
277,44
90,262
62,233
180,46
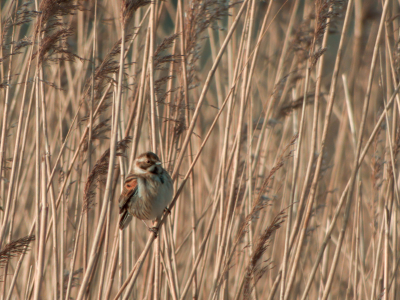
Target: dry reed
272,155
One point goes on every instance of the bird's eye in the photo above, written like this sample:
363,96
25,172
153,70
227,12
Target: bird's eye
148,161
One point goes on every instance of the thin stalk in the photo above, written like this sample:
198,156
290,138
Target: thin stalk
190,156
73,259
42,237
107,193
89,140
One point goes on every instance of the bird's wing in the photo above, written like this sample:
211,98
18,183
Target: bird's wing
128,192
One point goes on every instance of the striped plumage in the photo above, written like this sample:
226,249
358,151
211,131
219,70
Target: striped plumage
147,190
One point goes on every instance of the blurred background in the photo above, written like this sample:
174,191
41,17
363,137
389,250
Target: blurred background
276,119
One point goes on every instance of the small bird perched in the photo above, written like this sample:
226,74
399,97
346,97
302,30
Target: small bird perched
147,191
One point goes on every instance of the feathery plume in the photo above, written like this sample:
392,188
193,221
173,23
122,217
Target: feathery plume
128,7
99,170
15,248
254,271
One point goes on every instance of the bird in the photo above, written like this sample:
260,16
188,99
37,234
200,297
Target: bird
147,191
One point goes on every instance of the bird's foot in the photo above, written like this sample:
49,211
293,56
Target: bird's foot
154,230
167,210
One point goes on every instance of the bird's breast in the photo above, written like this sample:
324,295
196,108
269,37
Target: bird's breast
155,194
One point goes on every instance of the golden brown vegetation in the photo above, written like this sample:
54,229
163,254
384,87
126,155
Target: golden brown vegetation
276,119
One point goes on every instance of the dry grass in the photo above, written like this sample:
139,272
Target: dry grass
276,119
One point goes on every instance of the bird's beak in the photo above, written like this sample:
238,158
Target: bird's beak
158,163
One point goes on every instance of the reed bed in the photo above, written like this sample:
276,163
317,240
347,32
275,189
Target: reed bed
277,121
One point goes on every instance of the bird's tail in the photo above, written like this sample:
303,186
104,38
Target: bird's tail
124,220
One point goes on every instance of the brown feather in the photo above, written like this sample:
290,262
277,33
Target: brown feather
124,219
130,188
128,195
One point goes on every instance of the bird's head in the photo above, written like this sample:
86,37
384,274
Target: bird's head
146,163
